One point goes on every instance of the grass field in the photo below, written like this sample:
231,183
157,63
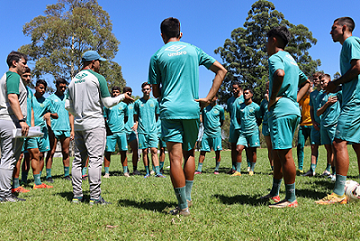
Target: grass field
225,208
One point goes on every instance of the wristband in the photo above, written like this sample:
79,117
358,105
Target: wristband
22,120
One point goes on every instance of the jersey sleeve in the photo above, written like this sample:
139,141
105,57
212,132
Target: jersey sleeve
275,63
50,106
257,112
154,72
136,108
222,114
12,83
157,108
302,77
104,91
353,48
238,116
204,58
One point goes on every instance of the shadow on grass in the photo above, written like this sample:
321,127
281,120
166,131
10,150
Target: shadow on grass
241,199
147,205
69,195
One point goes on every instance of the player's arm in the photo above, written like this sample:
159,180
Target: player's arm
330,101
32,117
136,122
72,132
222,117
314,123
278,79
351,74
15,106
303,89
156,90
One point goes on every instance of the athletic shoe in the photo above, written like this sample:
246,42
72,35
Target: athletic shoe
147,175
42,185
162,170
271,173
126,174
12,198
84,177
325,173
184,212
333,198
152,172
49,179
19,189
284,204
309,174
136,172
77,200
216,173
107,175
332,177
189,203
299,172
160,175
268,197
197,172
251,173
236,174
248,169
100,201
232,171
67,178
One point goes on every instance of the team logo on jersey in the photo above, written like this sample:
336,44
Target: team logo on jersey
216,112
176,48
42,105
56,100
251,110
142,105
151,105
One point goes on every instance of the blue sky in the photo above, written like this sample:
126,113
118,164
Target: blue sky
206,24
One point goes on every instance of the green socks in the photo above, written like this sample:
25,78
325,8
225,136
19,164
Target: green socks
333,169
188,187
157,170
238,167
24,176
252,166
233,166
339,185
37,179
199,167
181,197
276,187
217,166
48,172
161,165
312,167
328,167
107,169
125,169
147,170
84,171
16,183
290,192
66,171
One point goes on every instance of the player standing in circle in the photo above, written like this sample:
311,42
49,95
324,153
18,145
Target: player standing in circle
87,94
284,113
347,129
174,73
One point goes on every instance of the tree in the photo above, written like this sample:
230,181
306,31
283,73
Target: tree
337,75
245,56
68,29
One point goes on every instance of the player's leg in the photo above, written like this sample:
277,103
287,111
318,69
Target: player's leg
269,151
122,144
25,167
356,148
146,162
217,146
135,158
84,169
329,155
153,141
49,157
162,158
253,141
205,147
201,161
300,148
65,143
241,145
107,159
233,138
217,162
277,178
16,182
109,149
252,157
80,157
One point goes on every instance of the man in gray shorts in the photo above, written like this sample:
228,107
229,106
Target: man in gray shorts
87,92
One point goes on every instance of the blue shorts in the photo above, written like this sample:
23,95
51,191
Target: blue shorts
327,135
61,134
148,140
249,140
315,136
119,138
42,143
209,142
234,134
130,136
282,131
348,125
265,130
183,131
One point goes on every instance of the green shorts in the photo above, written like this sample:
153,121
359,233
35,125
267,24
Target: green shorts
119,138
265,130
348,125
327,135
249,140
148,140
61,134
315,136
42,143
234,134
183,131
282,131
209,142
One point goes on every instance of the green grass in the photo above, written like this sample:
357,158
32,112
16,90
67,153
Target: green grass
225,208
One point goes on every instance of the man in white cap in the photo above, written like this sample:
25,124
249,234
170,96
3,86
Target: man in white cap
87,92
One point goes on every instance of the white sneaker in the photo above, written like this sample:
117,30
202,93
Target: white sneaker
309,174
326,173
107,175
152,172
248,169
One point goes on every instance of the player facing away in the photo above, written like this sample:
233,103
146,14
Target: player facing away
13,104
284,113
174,73
62,129
347,129
87,94
236,99
212,118
146,113
248,115
115,117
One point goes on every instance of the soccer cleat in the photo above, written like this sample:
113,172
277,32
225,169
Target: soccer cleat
19,189
332,177
184,212
160,175
333,198
147,175
152,172
77,200
84,177
216,173
136,172
325,173
232,171
42,185
197,172
236,174
284,204
299,172
309,174
107,175
251,173
67,178
12,198
49,179
100,201
268,197
248,169
126,174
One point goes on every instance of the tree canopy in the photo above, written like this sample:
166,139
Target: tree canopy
245,56
68,29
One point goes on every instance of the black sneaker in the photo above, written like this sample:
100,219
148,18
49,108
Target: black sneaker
12,198
67,178
49,179
100,201
136,172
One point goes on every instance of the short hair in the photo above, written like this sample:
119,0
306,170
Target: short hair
145,84
251,91
282,33
237,83
115,88
41,82
317,74
14,55
127,89
325,76
27,70
349,22
60,81
170,27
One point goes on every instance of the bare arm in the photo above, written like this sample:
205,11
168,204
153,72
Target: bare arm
136,122
32,117
72,132
278,79
330,101
15,106
352,73
303,89
156,90
314,123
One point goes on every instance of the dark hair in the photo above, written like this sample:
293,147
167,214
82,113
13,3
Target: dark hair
127,89
170,27
317,74
251,91
349,22
14,55
60,81
41,82
282,33
27,70
237,83
145,84
325,76
115,88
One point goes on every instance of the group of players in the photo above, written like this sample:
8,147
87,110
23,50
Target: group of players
173,78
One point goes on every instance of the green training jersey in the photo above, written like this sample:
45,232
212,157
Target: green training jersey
30,95
212,116
146,110
232,103
313,103
41,106
130,121
330,116
63,122
264,111
287,104
176,67
248,115
115,117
